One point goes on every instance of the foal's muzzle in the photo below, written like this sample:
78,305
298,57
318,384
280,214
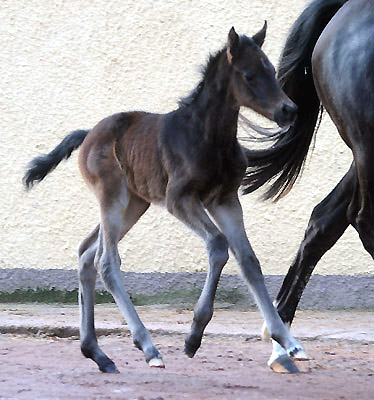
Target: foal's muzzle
286,114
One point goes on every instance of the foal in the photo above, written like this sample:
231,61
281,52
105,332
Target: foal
190,161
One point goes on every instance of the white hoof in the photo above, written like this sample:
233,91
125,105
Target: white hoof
156,363
265,335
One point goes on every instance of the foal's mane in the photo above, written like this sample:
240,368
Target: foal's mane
206,70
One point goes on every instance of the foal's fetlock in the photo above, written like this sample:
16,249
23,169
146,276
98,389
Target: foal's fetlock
89,349
104,363
152,355
298,353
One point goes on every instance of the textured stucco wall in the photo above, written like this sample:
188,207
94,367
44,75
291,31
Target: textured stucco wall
67,64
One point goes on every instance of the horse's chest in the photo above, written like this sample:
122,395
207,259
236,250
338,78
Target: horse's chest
220,176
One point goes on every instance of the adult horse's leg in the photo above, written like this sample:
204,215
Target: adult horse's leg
348,95
229,217
188,209
327,224
363,203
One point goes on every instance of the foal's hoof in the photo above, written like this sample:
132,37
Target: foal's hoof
265,335
191,345
190,350
109,369
156,363
284,365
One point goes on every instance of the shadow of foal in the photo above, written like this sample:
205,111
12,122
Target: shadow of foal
190,161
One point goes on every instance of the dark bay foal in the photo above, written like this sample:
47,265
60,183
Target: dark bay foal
190,161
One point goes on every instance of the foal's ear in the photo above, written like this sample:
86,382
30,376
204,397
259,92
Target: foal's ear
259,37
232,44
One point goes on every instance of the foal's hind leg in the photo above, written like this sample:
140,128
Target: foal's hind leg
87,280
117,216
188,209
326,225
229,217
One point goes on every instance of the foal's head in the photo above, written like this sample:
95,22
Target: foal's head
253,79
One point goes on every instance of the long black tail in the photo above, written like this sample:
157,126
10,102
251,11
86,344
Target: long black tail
285,159
40,167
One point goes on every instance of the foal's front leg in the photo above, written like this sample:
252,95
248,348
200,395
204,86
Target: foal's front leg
188,209
229,217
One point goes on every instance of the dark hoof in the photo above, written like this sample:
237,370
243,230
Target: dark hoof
189,351
284,365
108,367
192,344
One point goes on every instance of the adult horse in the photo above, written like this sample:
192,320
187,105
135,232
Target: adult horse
189,160
327,62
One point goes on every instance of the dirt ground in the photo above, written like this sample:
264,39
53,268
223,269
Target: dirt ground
226,367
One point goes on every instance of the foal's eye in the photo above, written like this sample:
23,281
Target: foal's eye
249,77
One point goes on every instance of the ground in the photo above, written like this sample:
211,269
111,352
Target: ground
230,364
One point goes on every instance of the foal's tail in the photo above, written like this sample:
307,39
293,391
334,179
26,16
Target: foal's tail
40,167
285,159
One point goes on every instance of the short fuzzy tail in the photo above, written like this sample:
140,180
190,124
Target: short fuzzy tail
41,166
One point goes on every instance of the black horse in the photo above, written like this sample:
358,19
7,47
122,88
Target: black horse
328,60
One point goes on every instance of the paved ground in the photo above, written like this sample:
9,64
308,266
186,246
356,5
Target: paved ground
40,357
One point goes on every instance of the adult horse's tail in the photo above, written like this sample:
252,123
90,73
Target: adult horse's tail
285,159
39,167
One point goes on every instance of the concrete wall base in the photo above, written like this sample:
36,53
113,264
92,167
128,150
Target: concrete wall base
331,291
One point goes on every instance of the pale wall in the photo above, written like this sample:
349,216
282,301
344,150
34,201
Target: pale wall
66,64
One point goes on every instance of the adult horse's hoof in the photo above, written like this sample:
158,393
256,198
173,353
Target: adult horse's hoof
156,363
283,365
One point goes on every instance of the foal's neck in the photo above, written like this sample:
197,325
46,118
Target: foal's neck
216,107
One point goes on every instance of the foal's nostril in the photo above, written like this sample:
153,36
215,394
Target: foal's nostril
289,111
286,114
